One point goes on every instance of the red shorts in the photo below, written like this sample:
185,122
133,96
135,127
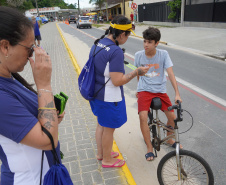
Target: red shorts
145,98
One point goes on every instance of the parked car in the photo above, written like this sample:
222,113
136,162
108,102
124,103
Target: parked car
72,18
43,19
84,21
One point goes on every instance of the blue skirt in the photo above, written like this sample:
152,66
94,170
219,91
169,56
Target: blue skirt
109,114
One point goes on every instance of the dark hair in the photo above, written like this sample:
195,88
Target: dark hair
120,19
152,34
13,28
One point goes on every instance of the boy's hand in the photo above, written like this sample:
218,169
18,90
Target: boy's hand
136,94
177,97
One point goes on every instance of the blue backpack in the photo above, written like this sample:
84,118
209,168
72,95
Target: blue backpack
58,173
86,79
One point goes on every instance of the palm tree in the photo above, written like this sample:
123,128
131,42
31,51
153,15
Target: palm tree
98,3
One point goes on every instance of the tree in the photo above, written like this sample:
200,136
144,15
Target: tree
3,2
175,7
15,3
98,3
72,6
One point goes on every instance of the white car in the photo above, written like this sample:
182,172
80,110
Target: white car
84,21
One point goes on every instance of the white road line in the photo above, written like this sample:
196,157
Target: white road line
211,130
195,88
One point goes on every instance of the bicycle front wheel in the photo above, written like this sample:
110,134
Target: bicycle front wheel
194,170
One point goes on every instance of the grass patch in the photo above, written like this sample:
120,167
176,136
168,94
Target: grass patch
97,25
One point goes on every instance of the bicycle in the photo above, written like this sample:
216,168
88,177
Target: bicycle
179,166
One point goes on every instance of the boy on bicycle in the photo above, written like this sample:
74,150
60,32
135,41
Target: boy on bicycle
154,84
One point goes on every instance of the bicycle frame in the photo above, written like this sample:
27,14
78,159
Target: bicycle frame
160,140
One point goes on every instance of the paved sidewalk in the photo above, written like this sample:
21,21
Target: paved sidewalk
207,41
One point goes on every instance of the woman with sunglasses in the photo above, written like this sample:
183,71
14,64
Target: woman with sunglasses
23,111
109,103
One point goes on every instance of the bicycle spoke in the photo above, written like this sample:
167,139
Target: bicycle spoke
193,172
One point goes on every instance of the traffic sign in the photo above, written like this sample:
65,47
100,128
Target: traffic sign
134,6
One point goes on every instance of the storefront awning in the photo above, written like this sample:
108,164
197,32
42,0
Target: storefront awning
93,13
104,7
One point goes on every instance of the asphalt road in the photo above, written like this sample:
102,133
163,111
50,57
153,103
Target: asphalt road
205,75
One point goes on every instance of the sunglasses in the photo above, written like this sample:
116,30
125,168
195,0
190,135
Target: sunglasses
31,50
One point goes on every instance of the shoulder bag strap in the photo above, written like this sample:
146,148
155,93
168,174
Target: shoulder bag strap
53,152
41,167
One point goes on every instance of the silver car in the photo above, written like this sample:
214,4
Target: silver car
84,21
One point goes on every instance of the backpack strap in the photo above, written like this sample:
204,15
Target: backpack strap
100,49
94,56
101,88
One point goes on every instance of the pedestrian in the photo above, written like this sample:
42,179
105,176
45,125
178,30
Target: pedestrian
36,30
100,19
24,111
95,18
131,16
154,84
109,104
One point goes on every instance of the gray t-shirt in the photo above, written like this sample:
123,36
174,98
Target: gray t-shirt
155,82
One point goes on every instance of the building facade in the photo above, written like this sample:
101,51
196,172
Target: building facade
53,12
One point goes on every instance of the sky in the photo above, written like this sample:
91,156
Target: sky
82,3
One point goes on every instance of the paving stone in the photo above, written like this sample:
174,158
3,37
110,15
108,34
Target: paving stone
74,167
87,178
90,168
97,178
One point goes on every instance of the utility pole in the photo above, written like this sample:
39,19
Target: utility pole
78,8
124,7
107,9
182,12
37,7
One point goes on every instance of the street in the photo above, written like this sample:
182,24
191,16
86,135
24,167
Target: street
202,86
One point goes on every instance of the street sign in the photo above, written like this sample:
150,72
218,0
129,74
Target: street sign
134,6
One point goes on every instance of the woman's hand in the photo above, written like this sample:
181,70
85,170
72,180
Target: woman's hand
41,68
60,117
141,71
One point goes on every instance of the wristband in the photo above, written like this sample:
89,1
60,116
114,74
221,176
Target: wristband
45,108
45,90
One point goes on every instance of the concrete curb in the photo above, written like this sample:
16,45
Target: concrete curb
126,172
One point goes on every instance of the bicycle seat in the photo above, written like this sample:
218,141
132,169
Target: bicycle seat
156,104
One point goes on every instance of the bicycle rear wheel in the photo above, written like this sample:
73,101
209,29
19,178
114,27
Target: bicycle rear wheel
194,170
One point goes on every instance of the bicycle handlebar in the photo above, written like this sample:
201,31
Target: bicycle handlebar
179,111
175,106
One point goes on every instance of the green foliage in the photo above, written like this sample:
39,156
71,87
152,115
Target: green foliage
27,5
3,2
72,6
30,4
175,5
98,3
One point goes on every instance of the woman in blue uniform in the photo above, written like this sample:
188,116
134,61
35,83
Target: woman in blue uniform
109,103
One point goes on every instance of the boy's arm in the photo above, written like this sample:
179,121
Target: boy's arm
174,83
38,24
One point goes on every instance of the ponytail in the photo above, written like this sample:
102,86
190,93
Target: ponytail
23,82
106,33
